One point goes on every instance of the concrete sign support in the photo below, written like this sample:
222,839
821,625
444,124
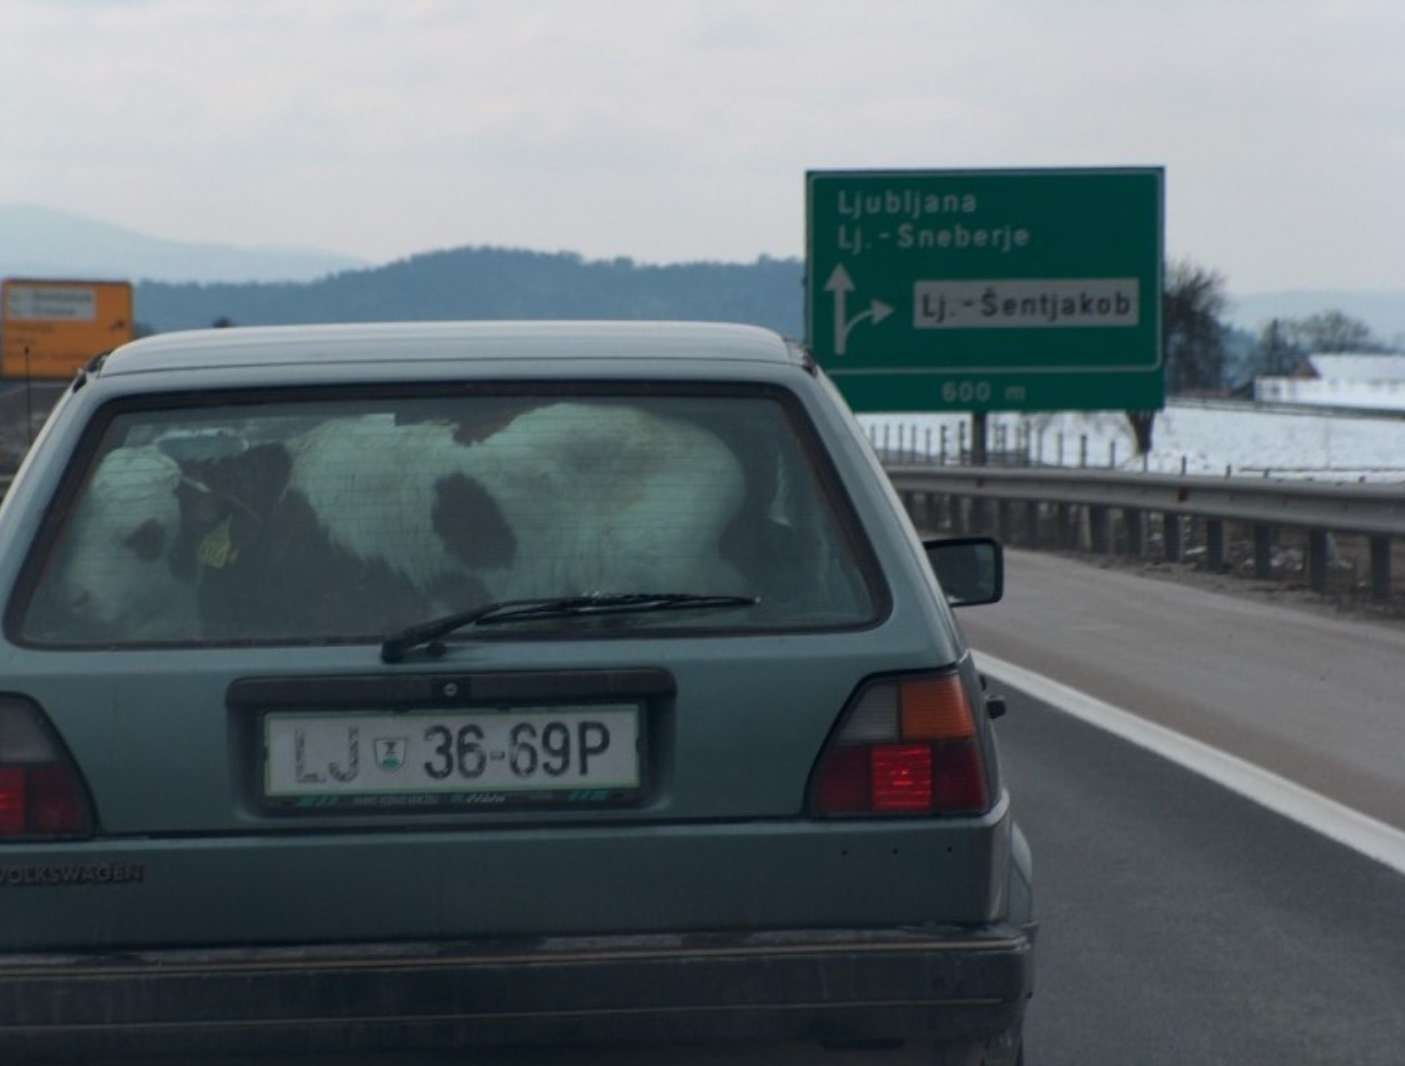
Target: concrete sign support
987,290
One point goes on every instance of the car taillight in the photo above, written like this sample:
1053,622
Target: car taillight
905,746
41,794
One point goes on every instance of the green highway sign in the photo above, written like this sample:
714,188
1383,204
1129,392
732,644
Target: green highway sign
987,290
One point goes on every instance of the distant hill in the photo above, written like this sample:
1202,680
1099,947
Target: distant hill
480,282
187,285
1381,309
41,242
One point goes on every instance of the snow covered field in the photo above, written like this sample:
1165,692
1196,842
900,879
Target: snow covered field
1208,435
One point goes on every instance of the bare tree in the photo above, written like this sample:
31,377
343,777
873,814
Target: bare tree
1278,353
1333,331
1192,338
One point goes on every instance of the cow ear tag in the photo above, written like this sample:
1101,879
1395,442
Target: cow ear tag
217,550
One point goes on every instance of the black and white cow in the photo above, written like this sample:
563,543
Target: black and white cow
363,524
357,526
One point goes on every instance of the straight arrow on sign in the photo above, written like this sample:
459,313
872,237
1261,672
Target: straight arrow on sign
840,284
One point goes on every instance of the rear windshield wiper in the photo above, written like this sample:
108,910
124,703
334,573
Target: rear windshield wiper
394,647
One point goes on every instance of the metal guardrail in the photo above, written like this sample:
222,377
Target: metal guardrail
1377,511
1364,508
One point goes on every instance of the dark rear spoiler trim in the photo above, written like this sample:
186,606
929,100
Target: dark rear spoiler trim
444,689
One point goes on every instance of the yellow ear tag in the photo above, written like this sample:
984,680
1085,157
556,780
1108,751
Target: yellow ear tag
217,550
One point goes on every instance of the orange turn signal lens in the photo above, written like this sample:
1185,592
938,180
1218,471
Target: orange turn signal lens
936,708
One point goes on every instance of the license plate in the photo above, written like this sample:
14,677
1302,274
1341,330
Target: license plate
581,754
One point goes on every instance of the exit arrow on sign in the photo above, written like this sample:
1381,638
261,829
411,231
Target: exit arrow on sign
840,284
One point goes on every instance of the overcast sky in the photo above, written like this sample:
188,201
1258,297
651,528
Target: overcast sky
681,130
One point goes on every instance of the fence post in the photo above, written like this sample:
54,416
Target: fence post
1112,454
1171,536
1099,529
1317,559
927,439
1214,544
1061,449
1133,519
1380,568
943,450
961,442
1263,551
1082,449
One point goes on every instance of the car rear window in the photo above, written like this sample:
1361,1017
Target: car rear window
332,520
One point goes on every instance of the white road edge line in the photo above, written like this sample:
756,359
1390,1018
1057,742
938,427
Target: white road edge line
1336,821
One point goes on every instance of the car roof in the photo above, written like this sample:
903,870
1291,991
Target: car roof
268,346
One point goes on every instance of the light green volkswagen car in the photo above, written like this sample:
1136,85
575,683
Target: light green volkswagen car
485,684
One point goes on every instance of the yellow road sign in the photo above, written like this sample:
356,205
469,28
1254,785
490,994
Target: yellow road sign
48,329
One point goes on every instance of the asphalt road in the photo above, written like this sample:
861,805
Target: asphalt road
1312,697
1183,924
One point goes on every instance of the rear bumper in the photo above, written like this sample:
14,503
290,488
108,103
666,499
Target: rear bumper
942,984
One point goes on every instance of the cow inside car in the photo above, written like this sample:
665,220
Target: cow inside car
364,523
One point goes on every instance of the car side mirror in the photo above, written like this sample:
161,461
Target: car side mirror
970,570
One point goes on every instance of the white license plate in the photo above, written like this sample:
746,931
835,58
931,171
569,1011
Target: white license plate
370,754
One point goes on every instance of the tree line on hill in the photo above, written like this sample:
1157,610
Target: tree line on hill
466,283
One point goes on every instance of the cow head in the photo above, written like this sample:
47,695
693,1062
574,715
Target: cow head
111,577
